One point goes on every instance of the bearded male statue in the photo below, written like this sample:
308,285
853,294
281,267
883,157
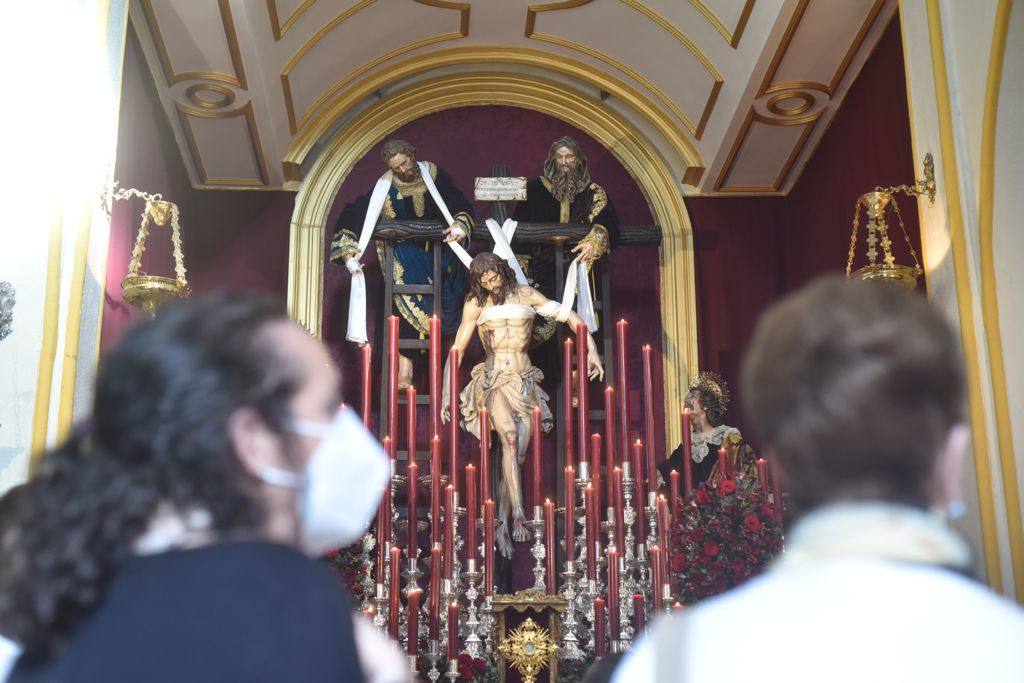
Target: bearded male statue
507,383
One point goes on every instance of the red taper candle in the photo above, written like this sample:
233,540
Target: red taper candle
582,390
549,542
393,383
449,529
435,490
569,481
600,628
488,547
595,468
394,588
687,452
673,495
535,453
591,529
656,578
622,384
567,407
613,594
664,532
618,502
454,429
413,621
388,510
762,478
472,511
639,618
410,423
652,483
485,455
723,462
453,630
366,361
412,498
608,443
381,552
435,375
436,569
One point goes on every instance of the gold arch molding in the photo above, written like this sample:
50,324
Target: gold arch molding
732,37
230,36
296,122
696,129
277,27
638,155
326,117
808,122
804,102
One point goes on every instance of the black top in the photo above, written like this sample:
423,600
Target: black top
247,611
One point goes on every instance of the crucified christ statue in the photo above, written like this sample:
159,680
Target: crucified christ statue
507,383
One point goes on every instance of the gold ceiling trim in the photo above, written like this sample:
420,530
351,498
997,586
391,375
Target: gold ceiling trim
532,10
731,37
295,123
773,103
246,112
639,155
279,28
192,93
697,130
326,117
230,36
808,122
829,89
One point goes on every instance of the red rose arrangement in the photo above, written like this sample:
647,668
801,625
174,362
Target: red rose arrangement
471,668
726,535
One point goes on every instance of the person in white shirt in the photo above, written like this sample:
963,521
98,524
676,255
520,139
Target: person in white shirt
856,390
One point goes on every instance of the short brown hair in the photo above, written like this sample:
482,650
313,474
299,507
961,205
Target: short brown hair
854,386
394,146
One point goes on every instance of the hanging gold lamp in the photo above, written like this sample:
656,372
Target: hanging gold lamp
875,204
150,292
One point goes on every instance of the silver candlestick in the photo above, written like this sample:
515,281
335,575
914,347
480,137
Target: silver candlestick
473,642
433,655
381,601
453,670
539,552
570,643
366,562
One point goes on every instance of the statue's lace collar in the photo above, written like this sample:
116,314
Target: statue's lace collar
713,436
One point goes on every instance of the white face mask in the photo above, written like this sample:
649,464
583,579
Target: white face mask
342,485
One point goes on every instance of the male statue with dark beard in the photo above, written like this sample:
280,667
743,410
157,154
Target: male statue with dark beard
403,193
507,383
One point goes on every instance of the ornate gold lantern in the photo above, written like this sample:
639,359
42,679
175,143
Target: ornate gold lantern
150,292
875,204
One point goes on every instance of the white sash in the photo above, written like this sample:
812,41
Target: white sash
432,189
576,275
357,294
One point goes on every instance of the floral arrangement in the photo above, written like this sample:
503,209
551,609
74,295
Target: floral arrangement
726,534
347,563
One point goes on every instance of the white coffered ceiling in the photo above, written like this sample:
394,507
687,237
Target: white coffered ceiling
736,93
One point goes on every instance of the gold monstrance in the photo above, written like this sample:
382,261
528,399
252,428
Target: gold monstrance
875,204
150,292
528,649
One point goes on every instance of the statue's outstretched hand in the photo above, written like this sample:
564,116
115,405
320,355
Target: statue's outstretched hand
594,368
454,234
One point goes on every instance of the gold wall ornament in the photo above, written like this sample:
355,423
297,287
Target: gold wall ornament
528,649
150,292
876,203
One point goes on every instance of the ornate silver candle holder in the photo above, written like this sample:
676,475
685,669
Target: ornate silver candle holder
433,656
366,547
570,643
473,642
539,552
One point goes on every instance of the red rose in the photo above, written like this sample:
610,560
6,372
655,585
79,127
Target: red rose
702,497
711,548
677,563
726,487
753,523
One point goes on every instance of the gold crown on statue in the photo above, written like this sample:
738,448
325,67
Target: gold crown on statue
712,382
